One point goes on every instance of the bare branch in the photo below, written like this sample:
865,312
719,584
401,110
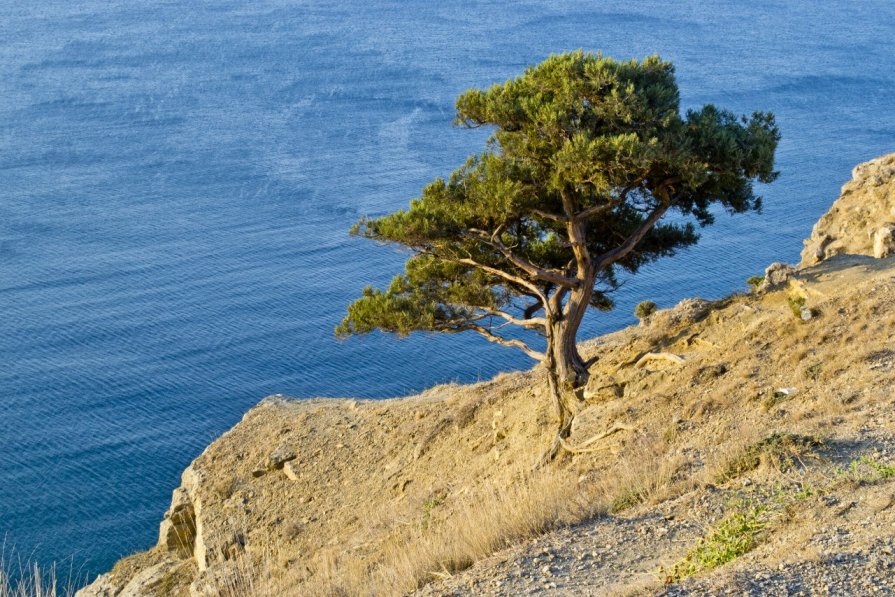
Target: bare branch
549,216
527,322
620,252
546,275
529,311
492,337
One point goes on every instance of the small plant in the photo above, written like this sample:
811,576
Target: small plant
795,305
644,310
778,450
754,282
774,399
737,534
812,372
869,470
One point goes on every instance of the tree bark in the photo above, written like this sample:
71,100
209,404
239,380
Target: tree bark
567,374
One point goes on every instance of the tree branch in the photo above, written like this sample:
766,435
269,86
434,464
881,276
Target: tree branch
610,257
527,322
549,216
531,269
626,247
596,209
497,272
492,337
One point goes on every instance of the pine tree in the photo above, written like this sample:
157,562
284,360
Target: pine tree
587,156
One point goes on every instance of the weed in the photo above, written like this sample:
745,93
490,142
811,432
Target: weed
812,372
869,470
645,309
779,449
795,305
737,534
774,399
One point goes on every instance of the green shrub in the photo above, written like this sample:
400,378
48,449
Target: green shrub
644,309
795,304
754,281
737,534
779,449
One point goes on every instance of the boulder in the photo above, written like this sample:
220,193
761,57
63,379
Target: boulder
686,312
776,275
280,456
884,241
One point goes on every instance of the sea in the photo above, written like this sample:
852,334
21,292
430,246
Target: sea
178,177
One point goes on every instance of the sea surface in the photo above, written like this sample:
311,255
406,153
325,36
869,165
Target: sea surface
177,179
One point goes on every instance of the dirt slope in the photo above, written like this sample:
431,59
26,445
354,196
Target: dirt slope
748,447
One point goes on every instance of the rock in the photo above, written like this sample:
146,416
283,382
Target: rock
148,582
291,469
604,392
776,275
862,220
214,581
177,532
805,313
103,586
686,312
279,457
884,241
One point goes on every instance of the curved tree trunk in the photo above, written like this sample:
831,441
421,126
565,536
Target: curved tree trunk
567,374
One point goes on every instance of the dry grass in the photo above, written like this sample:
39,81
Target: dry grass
22,578
644,473
476,527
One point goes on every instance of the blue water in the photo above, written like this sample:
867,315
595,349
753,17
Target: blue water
177,179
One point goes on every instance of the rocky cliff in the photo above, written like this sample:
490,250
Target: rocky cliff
862,220
766,417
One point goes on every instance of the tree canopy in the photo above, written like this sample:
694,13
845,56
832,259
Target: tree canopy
586,156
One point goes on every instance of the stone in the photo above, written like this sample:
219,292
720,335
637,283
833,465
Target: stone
884,241
103,586
210,582
686,312
805,313
150,581
291,469
689,311
776,275
177,533
279,457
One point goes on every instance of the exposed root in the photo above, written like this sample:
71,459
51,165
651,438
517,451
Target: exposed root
583,447
659,356
560,445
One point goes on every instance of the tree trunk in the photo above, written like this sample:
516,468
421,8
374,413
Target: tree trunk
566,375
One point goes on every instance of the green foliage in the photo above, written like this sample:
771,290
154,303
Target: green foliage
869,470
779,449
586,156
754,281
736,535
796,303
645,309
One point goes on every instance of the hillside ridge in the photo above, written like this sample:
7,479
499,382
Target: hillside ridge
764,416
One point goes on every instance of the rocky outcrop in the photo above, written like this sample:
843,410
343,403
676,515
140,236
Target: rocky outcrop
862,220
